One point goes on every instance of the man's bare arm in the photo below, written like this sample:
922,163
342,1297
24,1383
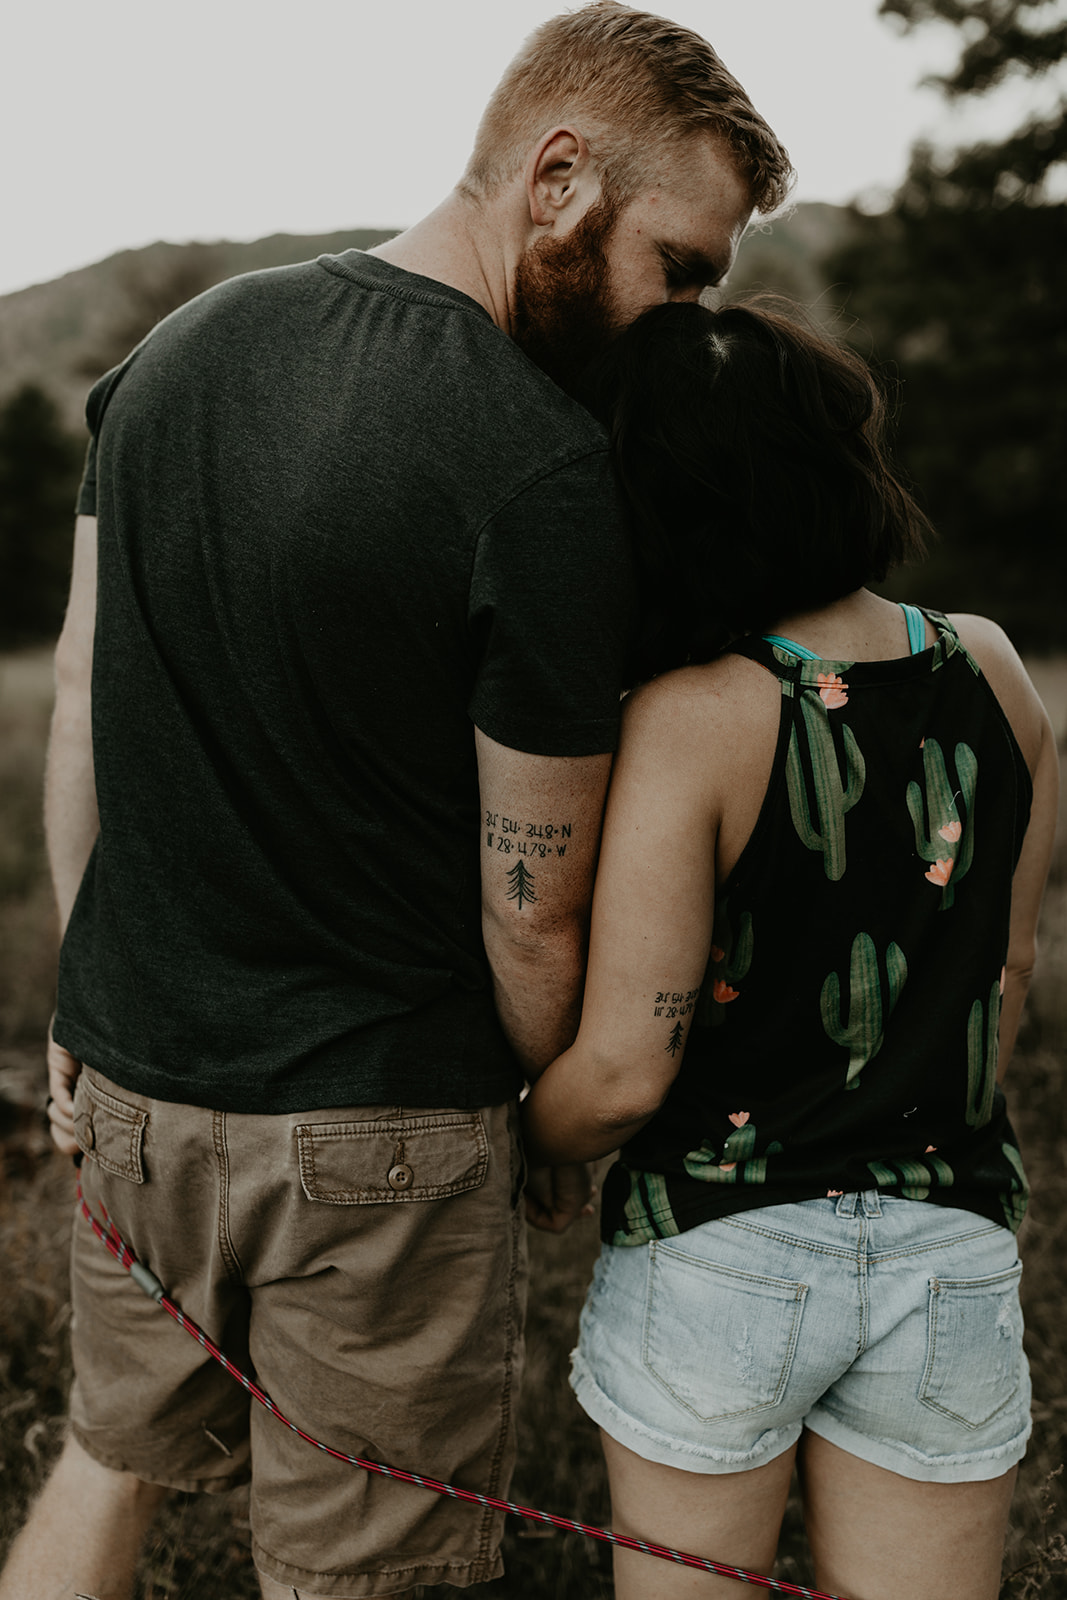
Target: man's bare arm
541,819
70,815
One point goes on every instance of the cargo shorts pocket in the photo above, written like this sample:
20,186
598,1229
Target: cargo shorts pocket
109,1131
974,1346
392,1161
719,1340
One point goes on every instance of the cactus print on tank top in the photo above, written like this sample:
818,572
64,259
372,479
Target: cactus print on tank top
846,1032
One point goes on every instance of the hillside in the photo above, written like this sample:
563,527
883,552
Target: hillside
62,334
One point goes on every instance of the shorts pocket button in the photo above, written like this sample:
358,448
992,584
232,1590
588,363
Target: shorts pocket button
89,1136
400,1177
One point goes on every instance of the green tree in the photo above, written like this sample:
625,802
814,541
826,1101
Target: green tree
956,289
39,469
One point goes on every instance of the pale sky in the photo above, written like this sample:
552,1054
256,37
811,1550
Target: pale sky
127,121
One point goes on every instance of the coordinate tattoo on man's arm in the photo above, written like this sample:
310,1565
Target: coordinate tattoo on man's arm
674,1005
536,840
521,844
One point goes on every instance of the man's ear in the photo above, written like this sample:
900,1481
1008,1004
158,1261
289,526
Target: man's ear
561,179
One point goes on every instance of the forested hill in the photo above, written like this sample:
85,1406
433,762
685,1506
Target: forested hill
63,334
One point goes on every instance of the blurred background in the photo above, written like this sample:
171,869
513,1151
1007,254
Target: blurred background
152,153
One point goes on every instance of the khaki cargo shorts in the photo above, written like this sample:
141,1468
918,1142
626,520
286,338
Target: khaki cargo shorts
367,1266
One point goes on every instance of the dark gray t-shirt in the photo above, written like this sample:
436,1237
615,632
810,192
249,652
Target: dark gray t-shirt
341,518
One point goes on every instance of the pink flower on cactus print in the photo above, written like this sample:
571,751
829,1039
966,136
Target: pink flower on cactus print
832,689
738,1118
722,992
951,831
941,872
717,954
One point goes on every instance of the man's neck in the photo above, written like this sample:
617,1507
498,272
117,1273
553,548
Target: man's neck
458,244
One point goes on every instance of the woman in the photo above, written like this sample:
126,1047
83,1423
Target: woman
826,841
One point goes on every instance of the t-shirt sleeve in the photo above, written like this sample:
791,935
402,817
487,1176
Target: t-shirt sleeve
551,613
95,406
86,503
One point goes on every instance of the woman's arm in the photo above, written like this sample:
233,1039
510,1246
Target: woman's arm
1027,888
651,931
1022,706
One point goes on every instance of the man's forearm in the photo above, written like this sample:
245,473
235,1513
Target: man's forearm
71,819
70,814
538,990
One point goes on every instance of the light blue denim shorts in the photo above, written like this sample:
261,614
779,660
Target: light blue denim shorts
890,1327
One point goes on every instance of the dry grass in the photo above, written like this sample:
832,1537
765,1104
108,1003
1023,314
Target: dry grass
200,1549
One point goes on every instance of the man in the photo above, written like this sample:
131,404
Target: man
361,598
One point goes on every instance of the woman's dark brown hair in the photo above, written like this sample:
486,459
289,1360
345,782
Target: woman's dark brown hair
751,453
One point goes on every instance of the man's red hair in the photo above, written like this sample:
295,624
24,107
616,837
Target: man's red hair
632,83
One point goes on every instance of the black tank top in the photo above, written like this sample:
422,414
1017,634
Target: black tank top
845,1037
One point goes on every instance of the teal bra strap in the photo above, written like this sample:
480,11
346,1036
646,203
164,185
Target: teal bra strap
916,637
794,649
916,629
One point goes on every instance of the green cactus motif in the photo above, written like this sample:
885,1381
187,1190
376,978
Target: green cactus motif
1014,1204
834,797
641,1226
728,963
935,824
983,1046
704,1164
736,1161
868,1014
741,1144
756,1170
914,1177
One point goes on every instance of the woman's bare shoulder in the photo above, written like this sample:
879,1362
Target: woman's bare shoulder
712,722
728,688
986,641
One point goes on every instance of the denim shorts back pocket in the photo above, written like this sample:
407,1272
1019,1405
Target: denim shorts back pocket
719,1340
974,1356
395,1160
109,1131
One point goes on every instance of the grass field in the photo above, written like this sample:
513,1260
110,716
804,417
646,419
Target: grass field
199,1551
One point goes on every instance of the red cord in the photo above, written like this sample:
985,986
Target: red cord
152,1287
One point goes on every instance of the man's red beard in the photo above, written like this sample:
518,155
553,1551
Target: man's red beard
564,309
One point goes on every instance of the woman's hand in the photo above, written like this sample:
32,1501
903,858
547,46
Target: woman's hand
557,1196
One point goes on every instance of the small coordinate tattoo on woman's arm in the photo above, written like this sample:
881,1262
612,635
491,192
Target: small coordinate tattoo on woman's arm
673,1005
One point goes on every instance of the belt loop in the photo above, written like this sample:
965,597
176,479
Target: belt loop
872,1203
846,1206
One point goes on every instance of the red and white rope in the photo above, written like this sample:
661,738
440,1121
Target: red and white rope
152,1287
